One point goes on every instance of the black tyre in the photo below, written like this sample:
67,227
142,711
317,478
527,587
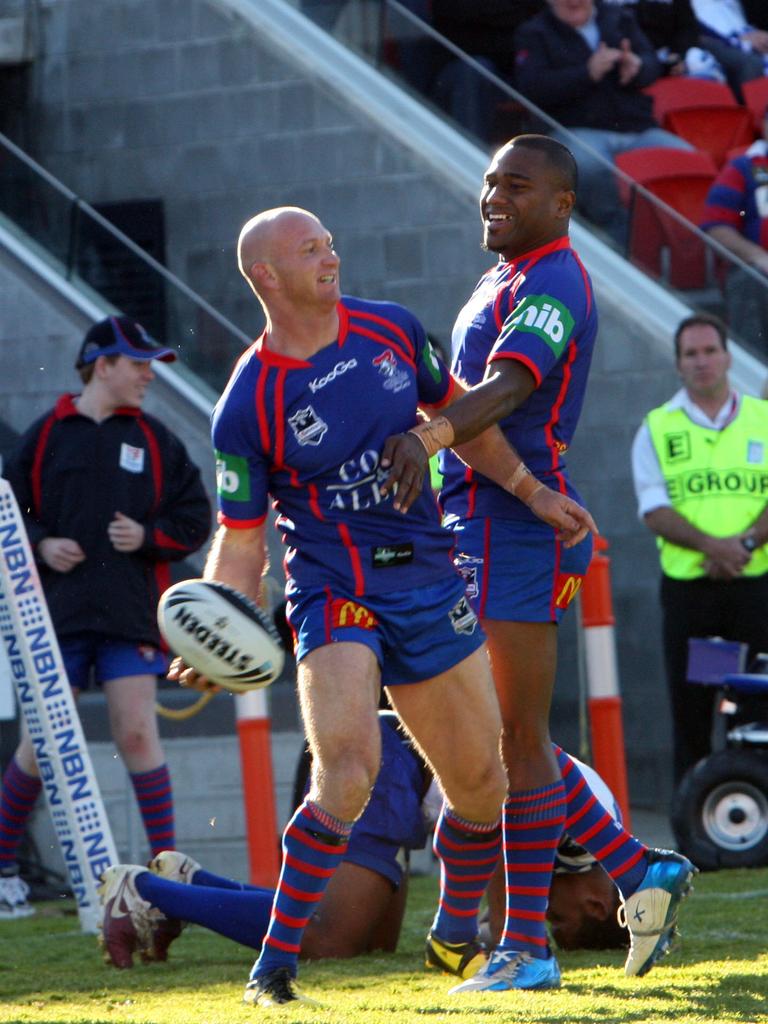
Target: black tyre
720,811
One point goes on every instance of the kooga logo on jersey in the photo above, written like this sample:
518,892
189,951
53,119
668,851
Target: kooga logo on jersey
339,368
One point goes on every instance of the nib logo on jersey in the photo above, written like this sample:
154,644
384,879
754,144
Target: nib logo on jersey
307,426
541,315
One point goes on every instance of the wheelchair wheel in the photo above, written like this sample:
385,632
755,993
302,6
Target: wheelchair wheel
720,811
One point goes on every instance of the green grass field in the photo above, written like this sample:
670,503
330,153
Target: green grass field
718,972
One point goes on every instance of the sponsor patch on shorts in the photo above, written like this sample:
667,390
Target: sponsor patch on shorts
387,555
567,587
349,613
463,619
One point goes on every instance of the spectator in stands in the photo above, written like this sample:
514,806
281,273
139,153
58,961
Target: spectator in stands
740,47
672,28
484,32
736,215
585,64
109,497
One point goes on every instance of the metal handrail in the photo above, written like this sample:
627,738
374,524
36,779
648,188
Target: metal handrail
80,206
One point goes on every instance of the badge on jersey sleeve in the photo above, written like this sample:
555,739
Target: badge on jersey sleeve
232,480
542,315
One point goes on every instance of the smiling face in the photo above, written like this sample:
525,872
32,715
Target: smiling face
124,381
304,262
287,257
525,201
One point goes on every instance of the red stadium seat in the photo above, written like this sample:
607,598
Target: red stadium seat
756,98
681,179
704,113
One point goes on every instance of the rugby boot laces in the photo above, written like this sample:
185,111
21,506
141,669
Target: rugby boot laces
509,969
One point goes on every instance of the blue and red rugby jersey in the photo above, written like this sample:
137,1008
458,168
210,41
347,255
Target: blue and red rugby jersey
538,309
310,434
739,196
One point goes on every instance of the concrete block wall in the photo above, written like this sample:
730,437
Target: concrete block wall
132,99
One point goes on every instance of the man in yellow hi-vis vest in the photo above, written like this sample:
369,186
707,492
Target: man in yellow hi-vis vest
700,467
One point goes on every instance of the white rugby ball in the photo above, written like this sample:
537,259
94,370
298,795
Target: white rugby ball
221,633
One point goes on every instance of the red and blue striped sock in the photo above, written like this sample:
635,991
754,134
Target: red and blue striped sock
314,843
155,800
593,827
17,799
468,853
533,824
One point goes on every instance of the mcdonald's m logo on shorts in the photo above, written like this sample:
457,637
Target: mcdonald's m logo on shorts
566,588
348,613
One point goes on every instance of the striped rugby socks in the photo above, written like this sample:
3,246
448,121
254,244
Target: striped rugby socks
155,800
593,827
17,799
314,843
468,853
533,824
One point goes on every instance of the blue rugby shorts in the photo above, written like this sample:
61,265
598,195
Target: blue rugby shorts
516,571
415,635
97,657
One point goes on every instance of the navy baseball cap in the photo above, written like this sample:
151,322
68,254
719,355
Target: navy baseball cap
120,336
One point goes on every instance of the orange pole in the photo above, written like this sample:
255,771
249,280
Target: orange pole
253,729
604,701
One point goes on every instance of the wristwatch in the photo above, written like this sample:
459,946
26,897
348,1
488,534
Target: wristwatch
749,543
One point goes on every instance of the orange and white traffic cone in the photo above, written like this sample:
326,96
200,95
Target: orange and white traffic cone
604,699
254,733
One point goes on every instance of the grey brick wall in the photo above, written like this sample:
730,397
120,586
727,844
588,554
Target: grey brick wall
179,101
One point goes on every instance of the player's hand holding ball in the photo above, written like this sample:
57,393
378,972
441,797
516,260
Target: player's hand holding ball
220,636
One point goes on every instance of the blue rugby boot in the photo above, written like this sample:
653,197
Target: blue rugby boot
650,913
509,969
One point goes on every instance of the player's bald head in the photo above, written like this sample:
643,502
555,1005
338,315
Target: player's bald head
261,236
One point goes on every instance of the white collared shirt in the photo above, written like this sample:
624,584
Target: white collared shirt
650,488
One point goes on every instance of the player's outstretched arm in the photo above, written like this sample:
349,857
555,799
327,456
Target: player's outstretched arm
493,456
470,412
488,453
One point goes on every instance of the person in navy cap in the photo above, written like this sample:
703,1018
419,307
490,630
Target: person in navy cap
110,498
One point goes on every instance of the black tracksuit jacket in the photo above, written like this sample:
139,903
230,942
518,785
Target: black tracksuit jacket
70,475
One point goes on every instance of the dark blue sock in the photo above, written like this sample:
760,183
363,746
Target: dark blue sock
238,914
203,877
